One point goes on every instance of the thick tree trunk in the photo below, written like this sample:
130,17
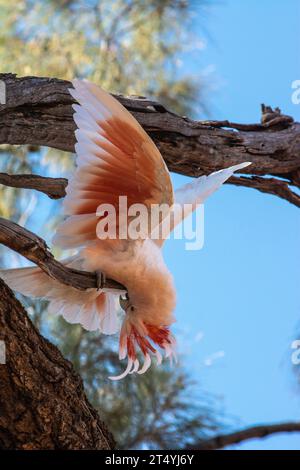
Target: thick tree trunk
42,401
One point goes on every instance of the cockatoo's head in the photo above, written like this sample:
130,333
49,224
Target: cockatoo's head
140,334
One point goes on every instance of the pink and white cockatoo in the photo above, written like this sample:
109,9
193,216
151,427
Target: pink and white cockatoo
115,157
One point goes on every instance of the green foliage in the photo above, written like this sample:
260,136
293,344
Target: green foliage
127,46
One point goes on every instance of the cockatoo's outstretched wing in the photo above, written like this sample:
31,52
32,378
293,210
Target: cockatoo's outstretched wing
115,157
191,195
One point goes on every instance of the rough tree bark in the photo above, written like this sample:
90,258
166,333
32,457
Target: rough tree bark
42,401
52,187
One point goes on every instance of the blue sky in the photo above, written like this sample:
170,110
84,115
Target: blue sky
238,298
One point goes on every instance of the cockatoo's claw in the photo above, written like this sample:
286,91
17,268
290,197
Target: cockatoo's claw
100,279
124,302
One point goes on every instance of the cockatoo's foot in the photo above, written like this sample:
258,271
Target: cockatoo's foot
100,279
145,337
124,302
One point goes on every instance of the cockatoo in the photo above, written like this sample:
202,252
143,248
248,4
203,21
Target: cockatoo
115,157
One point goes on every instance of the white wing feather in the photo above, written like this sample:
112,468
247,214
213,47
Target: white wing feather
193,194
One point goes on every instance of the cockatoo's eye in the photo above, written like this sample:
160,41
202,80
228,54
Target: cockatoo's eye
132,309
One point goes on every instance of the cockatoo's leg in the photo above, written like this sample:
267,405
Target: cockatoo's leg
100,279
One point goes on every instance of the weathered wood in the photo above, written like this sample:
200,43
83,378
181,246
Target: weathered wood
55,188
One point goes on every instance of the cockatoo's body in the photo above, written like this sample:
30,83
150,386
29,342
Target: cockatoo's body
115,157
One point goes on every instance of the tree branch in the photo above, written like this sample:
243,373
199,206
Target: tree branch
38,112
35,249
225,440
273,186
52,187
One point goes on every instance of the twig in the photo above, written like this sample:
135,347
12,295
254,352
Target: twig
52,187
224,440
268,185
